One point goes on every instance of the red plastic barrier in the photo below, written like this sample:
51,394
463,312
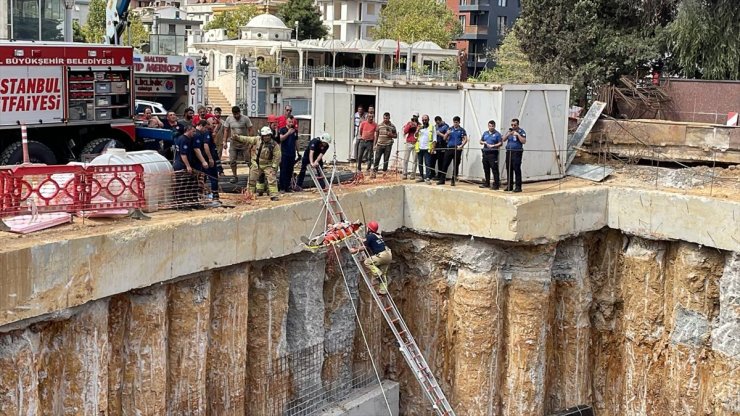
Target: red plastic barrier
65,188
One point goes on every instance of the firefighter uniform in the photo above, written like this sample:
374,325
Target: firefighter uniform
265,159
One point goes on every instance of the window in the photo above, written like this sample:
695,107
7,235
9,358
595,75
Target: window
229,62
462,21
502,3
171,30
370,9
359,12
463,2
501,23
337,11
301,106
337,32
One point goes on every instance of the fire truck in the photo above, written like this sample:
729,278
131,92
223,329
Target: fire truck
73,99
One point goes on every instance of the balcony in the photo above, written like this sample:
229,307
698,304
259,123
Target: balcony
304,76
474,6
474,32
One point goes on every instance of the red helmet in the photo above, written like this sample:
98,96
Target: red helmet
373,226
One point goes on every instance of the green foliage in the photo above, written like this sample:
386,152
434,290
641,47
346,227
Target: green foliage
512,64
139,35
415,20
231,20
587,43
705,39
267,66
77,34
94,29
308,17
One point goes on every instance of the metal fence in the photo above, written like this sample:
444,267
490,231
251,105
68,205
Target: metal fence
294,75
308,381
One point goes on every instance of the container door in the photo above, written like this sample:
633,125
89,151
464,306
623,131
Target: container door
337,117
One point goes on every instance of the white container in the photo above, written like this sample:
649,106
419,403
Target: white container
157,173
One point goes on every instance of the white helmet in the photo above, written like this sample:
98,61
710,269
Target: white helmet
265,131
326,138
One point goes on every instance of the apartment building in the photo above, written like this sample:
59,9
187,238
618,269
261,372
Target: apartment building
484,23
349,20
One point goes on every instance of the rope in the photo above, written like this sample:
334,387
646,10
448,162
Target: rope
362,331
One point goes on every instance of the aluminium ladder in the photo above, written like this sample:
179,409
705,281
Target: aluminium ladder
407,345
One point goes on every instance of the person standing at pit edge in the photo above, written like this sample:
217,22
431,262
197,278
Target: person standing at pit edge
491,142
386,133
457,138
314,156
515,139
288,138
236,126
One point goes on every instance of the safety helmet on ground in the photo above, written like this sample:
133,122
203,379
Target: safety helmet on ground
265,131
373,226
326,138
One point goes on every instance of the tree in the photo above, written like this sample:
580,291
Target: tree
231,20
94,29
138,32
704,39
587,43
512,64
414,20
77,34
308,17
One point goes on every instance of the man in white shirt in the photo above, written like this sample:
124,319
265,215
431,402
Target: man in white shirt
424,147
360,116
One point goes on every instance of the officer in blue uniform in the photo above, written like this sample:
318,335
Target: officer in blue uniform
185,185
314,155
457,138
491,142
515,139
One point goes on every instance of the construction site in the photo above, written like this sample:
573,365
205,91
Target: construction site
608,285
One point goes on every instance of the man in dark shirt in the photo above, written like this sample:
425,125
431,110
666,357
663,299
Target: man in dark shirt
185,184
314,155
440,135
515,139
491,142
379,258
288,137
457,138
208,151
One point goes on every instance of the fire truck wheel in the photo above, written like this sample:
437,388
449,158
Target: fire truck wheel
97,146
37,152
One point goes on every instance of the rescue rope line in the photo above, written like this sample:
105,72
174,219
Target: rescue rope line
362,330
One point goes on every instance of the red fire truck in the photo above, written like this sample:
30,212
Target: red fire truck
73,98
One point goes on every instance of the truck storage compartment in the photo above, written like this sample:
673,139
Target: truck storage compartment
102,100
118,87
103,114
102,87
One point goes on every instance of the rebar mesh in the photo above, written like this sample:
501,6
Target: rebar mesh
308,381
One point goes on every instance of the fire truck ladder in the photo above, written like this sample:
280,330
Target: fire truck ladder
408,347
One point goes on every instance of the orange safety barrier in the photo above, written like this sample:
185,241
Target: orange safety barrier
69,188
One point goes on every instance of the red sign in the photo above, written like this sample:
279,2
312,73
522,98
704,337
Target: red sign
28,95
24,54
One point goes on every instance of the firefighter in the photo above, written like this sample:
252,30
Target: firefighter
380,256
265,159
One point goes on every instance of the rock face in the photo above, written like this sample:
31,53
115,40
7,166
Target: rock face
628,325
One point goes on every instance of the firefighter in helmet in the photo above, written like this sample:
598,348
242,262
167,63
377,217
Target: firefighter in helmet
265,159
380,256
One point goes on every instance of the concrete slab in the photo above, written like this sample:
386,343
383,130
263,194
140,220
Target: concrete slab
368,401
50,275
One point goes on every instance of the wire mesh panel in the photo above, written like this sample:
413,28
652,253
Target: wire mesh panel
307,381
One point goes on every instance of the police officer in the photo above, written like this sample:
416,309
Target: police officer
515,139
185,184
314,155
491,142
265,158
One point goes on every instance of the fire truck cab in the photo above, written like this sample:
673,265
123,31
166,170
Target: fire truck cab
74,99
